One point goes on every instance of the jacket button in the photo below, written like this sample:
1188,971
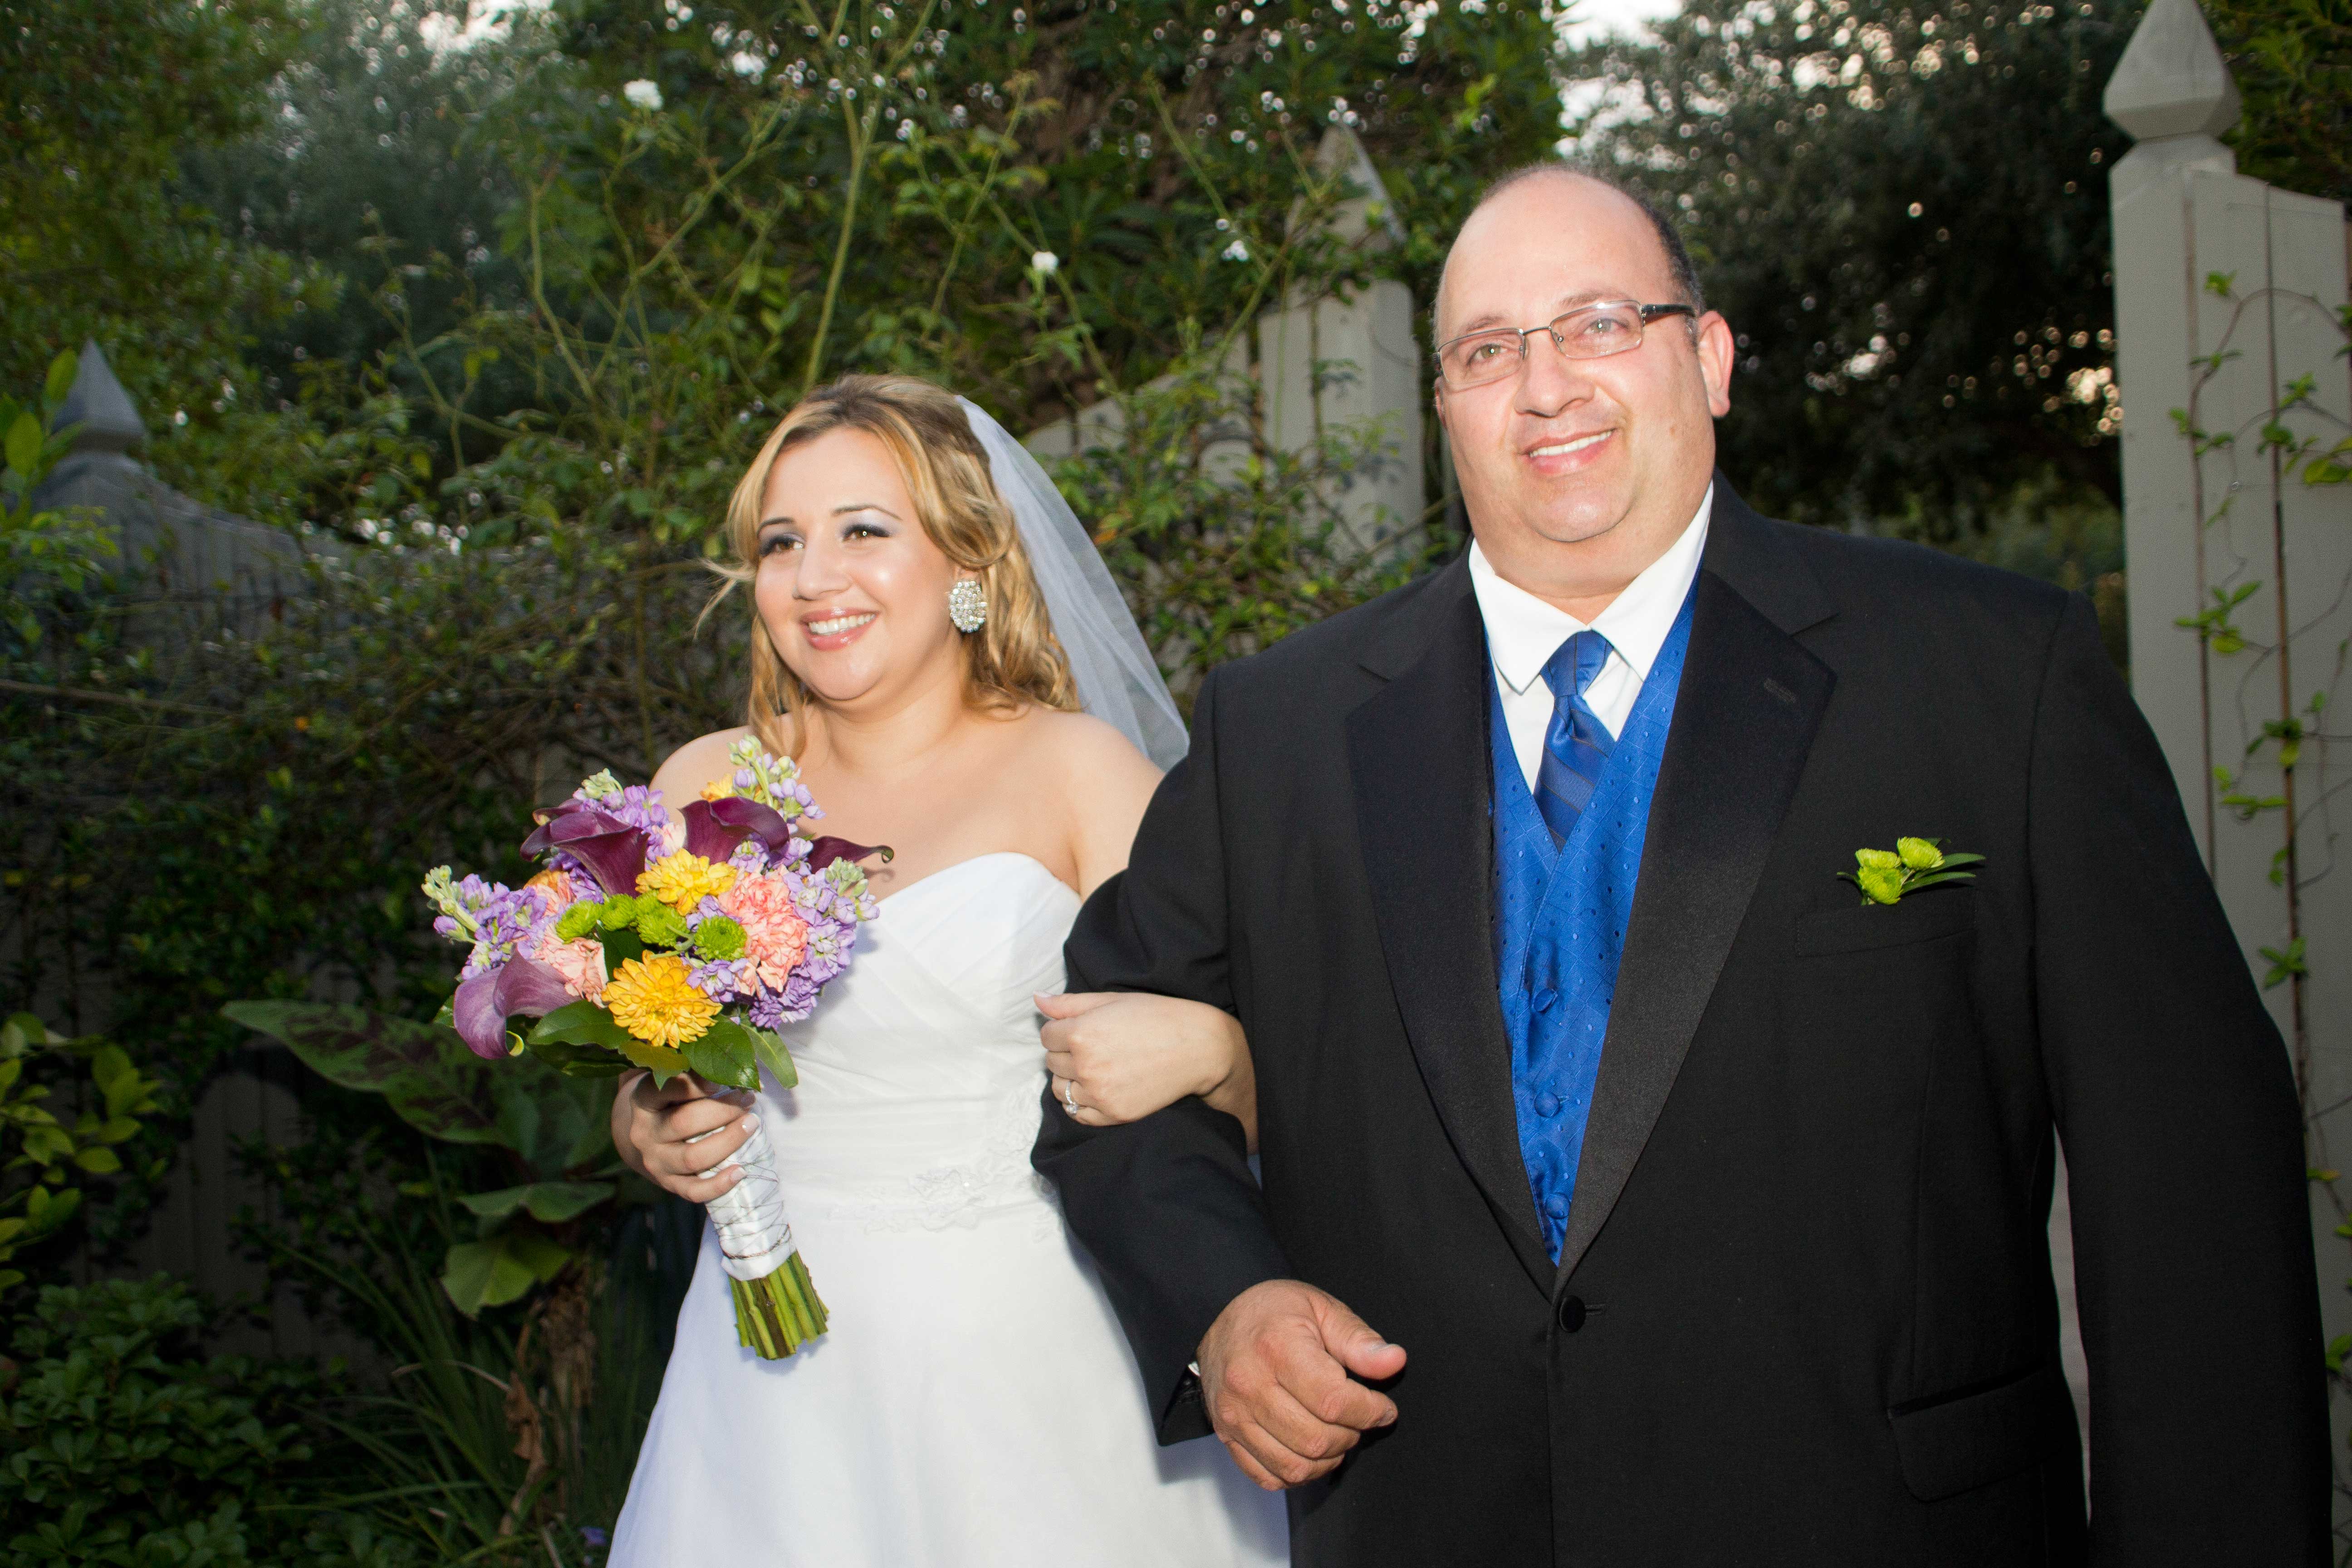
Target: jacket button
1571,1313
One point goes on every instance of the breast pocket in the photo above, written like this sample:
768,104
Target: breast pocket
1922,917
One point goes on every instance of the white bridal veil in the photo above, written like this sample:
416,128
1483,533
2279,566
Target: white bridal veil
1118,681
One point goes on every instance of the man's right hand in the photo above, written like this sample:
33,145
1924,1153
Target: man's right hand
1274,1371
675,1136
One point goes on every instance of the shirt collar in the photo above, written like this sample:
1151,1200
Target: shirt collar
1523,632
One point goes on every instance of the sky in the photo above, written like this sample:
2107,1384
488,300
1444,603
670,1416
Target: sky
1591,19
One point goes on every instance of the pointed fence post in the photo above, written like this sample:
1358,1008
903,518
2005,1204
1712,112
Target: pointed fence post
2229,358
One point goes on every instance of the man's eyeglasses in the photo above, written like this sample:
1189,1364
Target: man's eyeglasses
1590,332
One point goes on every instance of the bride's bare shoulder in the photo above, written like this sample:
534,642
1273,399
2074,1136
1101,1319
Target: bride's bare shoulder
696,764
1081,747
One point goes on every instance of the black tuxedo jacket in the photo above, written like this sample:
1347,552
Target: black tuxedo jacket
1804,1314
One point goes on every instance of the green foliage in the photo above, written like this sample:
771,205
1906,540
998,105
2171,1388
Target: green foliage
45,556
2292,60
1901,210
124,1447
551,1123
97,240
1232,539
362,165
46,1160
508,1442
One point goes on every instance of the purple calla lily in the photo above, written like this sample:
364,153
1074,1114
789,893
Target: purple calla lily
483,1005
714,827
826,851
613,852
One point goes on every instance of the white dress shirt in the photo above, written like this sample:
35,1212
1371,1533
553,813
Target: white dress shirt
1523,632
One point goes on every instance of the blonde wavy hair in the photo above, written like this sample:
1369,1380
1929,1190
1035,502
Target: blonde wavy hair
1014,659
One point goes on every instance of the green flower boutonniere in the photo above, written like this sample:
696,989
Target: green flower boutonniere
1885,875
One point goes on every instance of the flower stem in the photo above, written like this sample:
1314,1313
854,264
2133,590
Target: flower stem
776,1315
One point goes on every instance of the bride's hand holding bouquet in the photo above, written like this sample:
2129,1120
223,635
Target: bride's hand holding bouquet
675,944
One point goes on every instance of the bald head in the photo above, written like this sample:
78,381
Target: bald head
1631,205
1578,468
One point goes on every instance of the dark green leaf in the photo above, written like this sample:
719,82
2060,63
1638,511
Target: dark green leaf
582,1023
478,1274
726,1053
426,1073
550,1203
775,1059
620,946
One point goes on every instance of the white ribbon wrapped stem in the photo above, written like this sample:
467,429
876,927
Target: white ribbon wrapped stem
754,1231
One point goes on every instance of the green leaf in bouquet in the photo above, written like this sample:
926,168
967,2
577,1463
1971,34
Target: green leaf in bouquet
578,1060
550,1203
665,1063
726,1052
775,1059
585,1024
620,946
423,1072
582,1023
478,1274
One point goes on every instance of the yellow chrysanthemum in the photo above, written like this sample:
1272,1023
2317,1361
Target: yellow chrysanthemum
683,881
654,999
718,789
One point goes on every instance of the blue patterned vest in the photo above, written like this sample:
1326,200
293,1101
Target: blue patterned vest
1559,927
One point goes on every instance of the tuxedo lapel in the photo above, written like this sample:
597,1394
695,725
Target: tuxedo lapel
1749,701
1417,750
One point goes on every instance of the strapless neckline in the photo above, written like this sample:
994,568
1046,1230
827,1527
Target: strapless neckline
946,873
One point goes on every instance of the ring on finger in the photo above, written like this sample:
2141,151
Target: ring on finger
1070,1095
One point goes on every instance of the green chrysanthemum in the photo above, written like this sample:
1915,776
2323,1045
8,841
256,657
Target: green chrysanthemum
1881,884
719,937
658,925
1919,854
578,920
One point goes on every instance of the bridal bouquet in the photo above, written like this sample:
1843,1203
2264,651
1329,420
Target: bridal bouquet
678,951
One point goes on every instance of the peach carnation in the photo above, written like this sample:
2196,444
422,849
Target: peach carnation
556,886
582,964
776,936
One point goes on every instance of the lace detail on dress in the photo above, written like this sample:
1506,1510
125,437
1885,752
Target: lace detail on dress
994,1182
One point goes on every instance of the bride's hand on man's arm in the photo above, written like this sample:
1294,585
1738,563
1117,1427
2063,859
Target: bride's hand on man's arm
1126,1054
672,1136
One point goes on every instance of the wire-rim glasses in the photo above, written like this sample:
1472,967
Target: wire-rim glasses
1589,331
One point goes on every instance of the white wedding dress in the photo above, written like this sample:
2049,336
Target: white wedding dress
973,1402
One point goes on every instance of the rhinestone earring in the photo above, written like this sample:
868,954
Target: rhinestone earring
967,606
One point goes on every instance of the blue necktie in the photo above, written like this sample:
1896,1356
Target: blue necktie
1576,746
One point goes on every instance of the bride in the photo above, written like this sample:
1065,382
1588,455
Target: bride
929,620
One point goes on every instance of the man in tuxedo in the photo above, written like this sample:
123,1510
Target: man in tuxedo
1636,1191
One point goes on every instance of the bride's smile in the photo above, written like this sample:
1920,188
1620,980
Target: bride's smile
848,583
970,1381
